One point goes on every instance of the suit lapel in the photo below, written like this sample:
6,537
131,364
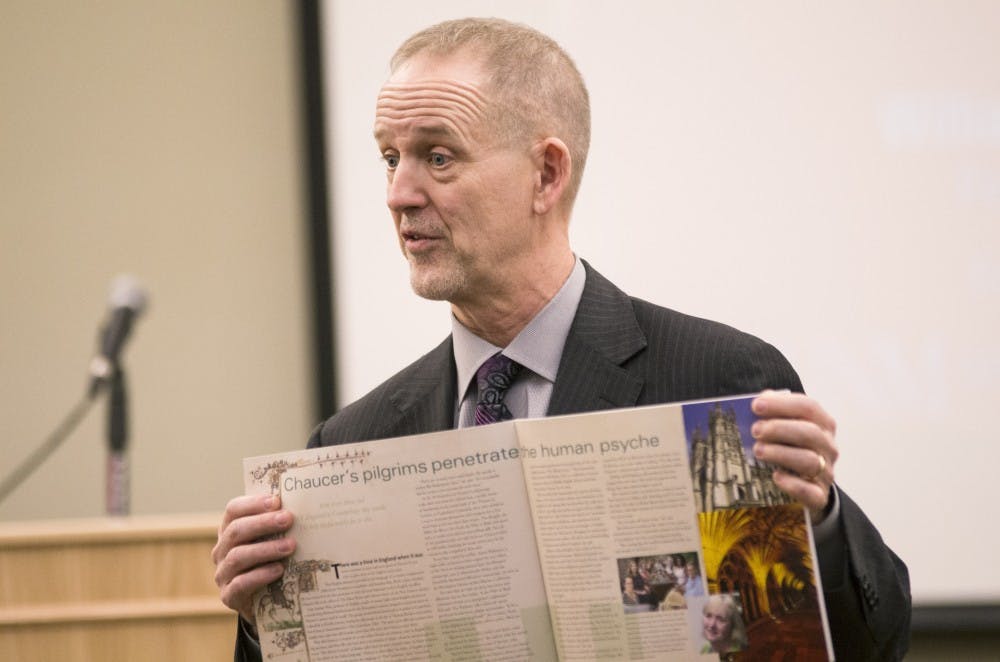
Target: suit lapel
425,400
603,336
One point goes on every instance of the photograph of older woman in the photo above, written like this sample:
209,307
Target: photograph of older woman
721,624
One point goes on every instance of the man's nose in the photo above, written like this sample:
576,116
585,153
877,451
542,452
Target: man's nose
405,189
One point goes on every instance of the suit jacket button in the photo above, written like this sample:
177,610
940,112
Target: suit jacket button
869,592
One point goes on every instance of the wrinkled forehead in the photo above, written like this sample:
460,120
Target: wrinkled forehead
447,104
443,92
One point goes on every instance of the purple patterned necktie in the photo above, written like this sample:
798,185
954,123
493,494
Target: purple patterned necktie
493,379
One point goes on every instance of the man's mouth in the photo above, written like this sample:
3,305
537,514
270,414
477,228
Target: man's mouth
417,241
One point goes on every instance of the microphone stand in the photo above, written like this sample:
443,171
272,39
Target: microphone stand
127,301
49,446
117,490
117,472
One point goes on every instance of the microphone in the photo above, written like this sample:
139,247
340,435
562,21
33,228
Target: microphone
126,302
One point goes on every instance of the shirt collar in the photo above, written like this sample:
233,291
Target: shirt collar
539,345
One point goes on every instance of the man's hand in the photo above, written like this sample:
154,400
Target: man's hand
797,436
245,557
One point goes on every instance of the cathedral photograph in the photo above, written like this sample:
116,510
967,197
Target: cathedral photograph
760,554
724,471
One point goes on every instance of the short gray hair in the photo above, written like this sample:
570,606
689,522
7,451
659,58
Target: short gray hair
538,90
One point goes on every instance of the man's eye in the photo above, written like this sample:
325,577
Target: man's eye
391,161
438,159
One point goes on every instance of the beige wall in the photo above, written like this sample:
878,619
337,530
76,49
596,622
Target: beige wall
159,139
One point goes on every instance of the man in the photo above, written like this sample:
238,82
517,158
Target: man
692,583
484,128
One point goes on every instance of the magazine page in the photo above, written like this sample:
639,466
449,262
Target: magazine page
416,548
662,538
760,556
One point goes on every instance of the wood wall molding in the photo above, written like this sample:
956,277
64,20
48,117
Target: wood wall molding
112,588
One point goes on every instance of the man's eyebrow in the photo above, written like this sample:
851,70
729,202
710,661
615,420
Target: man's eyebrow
424,131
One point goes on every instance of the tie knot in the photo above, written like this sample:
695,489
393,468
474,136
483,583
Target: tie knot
493,379
496,373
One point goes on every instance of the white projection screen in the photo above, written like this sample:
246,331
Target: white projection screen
823,175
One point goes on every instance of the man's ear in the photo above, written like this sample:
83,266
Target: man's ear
554,169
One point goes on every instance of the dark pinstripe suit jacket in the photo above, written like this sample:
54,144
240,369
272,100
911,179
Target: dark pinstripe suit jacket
623,352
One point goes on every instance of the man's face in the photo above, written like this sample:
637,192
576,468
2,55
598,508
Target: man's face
460,198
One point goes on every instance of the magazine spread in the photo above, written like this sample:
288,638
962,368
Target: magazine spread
634,534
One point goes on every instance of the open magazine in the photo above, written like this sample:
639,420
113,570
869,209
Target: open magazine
633,534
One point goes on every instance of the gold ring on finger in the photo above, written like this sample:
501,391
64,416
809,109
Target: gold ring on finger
819,470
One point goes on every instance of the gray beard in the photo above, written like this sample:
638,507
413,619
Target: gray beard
437,284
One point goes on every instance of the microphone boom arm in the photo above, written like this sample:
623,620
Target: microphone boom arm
49,446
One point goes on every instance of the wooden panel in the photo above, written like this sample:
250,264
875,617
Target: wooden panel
184,639
112,589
